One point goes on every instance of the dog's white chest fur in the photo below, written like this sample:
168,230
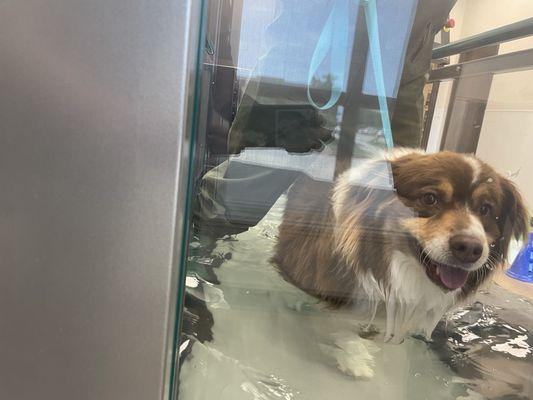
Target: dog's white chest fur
413,304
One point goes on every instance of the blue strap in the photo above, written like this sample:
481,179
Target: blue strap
371,16
333,40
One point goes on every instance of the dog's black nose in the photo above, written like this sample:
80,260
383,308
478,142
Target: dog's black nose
465,248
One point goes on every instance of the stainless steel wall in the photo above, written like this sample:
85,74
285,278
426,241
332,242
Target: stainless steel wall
93,100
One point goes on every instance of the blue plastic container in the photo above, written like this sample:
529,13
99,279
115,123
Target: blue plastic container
522,268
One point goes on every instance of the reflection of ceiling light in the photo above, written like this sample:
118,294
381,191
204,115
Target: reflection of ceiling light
191,282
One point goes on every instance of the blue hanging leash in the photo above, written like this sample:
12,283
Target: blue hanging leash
371,16
333,41
334,37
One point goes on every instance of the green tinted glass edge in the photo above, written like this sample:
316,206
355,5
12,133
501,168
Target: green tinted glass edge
182,264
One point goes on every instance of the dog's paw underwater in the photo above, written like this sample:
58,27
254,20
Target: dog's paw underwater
353,355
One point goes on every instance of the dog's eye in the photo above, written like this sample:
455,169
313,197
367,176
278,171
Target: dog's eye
429,199
485,209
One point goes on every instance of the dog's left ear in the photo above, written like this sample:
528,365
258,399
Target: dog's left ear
514,220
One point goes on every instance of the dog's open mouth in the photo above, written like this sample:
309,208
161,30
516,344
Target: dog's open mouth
443,275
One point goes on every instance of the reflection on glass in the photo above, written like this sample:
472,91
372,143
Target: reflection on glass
324,263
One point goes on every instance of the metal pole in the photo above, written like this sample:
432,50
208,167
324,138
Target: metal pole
354,94
505,33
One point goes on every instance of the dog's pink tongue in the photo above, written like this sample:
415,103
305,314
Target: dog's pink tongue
452,278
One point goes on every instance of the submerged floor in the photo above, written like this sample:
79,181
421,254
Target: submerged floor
248,335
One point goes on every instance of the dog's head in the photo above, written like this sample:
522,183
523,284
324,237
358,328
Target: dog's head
464,215
452,212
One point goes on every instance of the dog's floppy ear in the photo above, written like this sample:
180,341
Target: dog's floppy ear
514,219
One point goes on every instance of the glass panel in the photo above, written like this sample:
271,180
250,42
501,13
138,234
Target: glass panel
330,256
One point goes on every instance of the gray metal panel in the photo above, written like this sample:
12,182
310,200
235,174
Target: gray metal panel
92,104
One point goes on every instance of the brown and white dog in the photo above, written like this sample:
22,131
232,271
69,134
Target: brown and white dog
410,233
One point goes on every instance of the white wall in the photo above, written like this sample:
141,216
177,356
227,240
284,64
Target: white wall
506,139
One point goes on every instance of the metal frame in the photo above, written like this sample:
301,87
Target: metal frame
354,93
503,34
472,78
98,109
497,64
467,104
428,116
